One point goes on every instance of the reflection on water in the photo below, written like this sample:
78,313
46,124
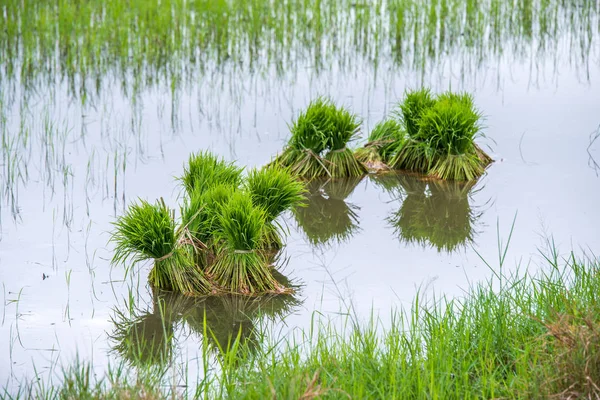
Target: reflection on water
433,213
327,217
148,337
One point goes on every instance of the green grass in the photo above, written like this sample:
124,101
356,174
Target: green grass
517,335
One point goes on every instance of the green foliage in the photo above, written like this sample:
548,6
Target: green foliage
515,336
205,170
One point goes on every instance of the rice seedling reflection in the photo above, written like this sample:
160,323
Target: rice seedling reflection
145,338
327,217
226,322
433,213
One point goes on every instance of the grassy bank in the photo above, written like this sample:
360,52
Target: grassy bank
514,336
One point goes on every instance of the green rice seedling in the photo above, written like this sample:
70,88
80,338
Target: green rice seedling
384,140
275,190
415,103
240,266
205,170
148,231
345,127
451,125
444,145
318,145
309,139
200,210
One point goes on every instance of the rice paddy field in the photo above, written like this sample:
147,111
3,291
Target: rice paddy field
102,103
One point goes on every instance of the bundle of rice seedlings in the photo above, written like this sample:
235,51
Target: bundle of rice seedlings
415,103
205,170
436,214
345,128
384,140
240,266
275,190
309,139
327,219
318,145
148,231
200,210
442,133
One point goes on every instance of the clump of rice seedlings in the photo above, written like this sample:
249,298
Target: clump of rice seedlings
275,190
327,217
341,160
148,231
435,213
415,103
384,141
441,136
228,234
200,210
205,170
240,266
318,145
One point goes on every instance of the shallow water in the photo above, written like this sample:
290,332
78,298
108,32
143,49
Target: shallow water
371,243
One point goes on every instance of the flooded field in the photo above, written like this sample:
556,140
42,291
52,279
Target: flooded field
101,104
